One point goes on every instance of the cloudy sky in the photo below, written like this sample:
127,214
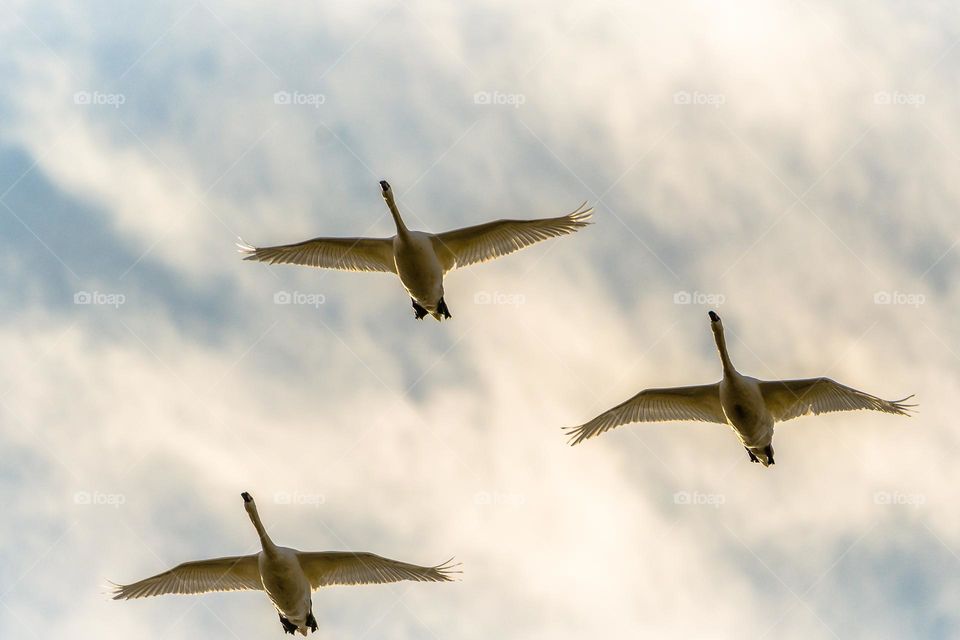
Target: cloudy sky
791,164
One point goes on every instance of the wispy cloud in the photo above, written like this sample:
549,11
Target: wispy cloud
792,162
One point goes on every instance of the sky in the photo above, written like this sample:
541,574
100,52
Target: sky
790,164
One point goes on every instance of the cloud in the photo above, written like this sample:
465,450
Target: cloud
782,162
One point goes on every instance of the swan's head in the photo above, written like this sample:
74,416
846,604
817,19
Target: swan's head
247,499
385,188
715,322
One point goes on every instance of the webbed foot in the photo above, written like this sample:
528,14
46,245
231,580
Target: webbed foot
288,627
442,309
418,311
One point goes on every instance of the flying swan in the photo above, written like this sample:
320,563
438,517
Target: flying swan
749,406
421,259
287,575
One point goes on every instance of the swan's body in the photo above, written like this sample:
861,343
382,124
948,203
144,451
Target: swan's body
287,587
421,259
286,575
748,405
420,271
745,410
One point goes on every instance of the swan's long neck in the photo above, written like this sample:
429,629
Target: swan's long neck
722,348
395,212
265,540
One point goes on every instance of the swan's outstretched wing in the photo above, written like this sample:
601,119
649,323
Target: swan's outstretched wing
788,399
325,568
483,242
699,403
236,573
346,254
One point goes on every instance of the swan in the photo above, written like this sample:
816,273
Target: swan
748,405
421,259
287,575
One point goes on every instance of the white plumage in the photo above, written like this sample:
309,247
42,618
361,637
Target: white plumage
749,406
287,575
421,259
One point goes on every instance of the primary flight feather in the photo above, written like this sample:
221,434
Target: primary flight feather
286,575
749,406
421,259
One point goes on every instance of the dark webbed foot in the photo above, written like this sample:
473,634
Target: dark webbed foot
288,627
418,311
442,308
753,458
769,453
312,622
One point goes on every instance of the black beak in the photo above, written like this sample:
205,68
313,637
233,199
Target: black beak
713,316
246,497
384,185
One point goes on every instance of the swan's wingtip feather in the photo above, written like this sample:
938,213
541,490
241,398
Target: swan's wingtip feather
448,569
904,409
245,247
115,591
582,214
575,435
